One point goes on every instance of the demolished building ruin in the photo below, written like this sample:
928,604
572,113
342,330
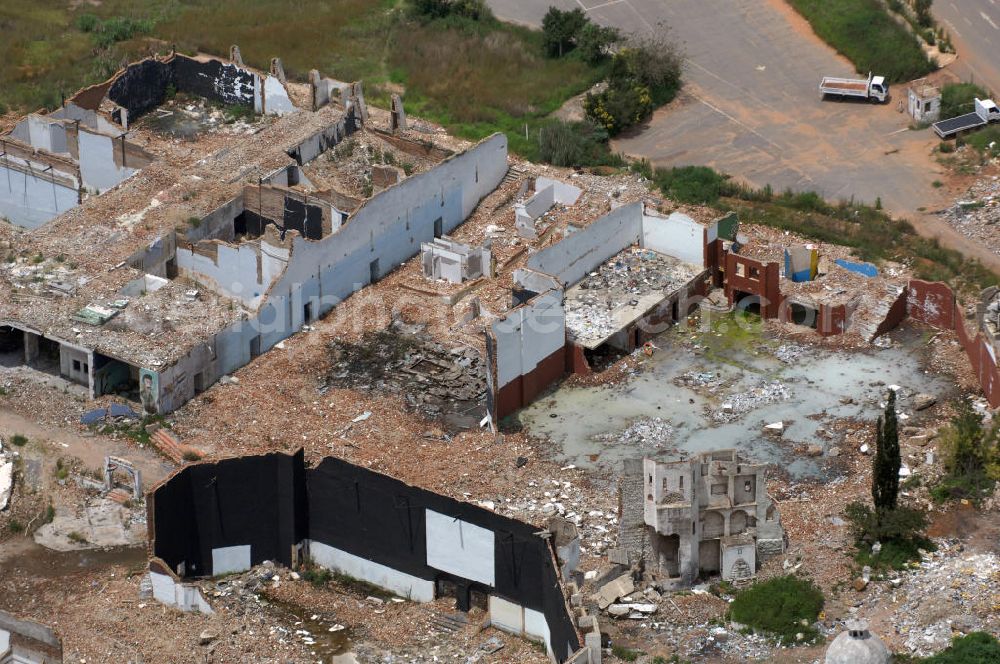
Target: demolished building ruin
709,514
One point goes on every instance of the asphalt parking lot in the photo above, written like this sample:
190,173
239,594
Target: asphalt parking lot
751,107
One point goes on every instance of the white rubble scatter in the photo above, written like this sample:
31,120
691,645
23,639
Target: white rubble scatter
645,432
976,214
789,353
6,481
763,393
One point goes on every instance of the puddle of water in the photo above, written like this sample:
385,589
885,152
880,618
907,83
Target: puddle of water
314,631
22,557
584,424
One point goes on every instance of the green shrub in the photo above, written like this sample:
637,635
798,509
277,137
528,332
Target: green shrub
561,30
87,22
572,144
779,607
625,654
970,453
690,184
957,99
868,36
900,531
986,140
18,440
974,648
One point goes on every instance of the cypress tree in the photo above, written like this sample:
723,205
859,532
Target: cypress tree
885,466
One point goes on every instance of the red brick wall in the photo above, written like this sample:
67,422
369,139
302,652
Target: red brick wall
765,286
522,391
935,304
832,319
931,303
897,312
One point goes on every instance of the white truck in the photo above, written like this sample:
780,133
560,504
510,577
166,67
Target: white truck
986,112
873,88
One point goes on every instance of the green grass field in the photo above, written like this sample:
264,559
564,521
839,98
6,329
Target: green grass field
865,34
475,78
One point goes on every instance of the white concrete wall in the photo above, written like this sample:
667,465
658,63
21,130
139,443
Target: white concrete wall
460,548
515,619
276,100
228,559
402,584
562,193
578,253
179,595
529,334
678,235
233,272
30,201
97,161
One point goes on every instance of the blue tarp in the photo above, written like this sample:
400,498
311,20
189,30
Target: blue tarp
866,269
115,410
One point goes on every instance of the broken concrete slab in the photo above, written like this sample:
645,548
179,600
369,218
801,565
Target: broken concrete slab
612,590
923,401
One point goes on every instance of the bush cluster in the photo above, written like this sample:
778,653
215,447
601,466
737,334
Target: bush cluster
782,607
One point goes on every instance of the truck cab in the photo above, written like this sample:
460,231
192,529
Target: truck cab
878,89
987,110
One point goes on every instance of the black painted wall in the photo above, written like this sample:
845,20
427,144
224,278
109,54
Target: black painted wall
255,500
141,87
273,502
214,80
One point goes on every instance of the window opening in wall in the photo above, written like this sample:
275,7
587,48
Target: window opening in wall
199,382
438,227
307,312
255,347
680,481
747,486
76,365
373,271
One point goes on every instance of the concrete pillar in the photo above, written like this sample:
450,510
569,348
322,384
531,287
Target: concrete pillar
234,54
278,69
30,348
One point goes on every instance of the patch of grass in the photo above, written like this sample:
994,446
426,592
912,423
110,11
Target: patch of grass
76,538
62,472
974,648
49,515
895,554
957,99
986,140
625,654
781,607
18,440
318,576
863,31
15,526
937,184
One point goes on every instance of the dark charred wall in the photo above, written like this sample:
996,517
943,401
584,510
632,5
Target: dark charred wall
141,87
215,80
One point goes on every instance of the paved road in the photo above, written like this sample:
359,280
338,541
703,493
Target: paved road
974,26
751,107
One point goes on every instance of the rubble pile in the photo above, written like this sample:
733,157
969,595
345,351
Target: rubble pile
596,523
646,432
621,281
703,380
950,592
435,380
977,213
739,403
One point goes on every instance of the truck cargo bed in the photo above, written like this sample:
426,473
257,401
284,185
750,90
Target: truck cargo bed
951,126
847,86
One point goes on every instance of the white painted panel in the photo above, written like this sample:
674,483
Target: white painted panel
535,626
404,585
460,548
230,559
4,642
276,101
563,193
506,615
678,235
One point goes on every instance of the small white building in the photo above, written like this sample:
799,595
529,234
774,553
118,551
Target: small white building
924,101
